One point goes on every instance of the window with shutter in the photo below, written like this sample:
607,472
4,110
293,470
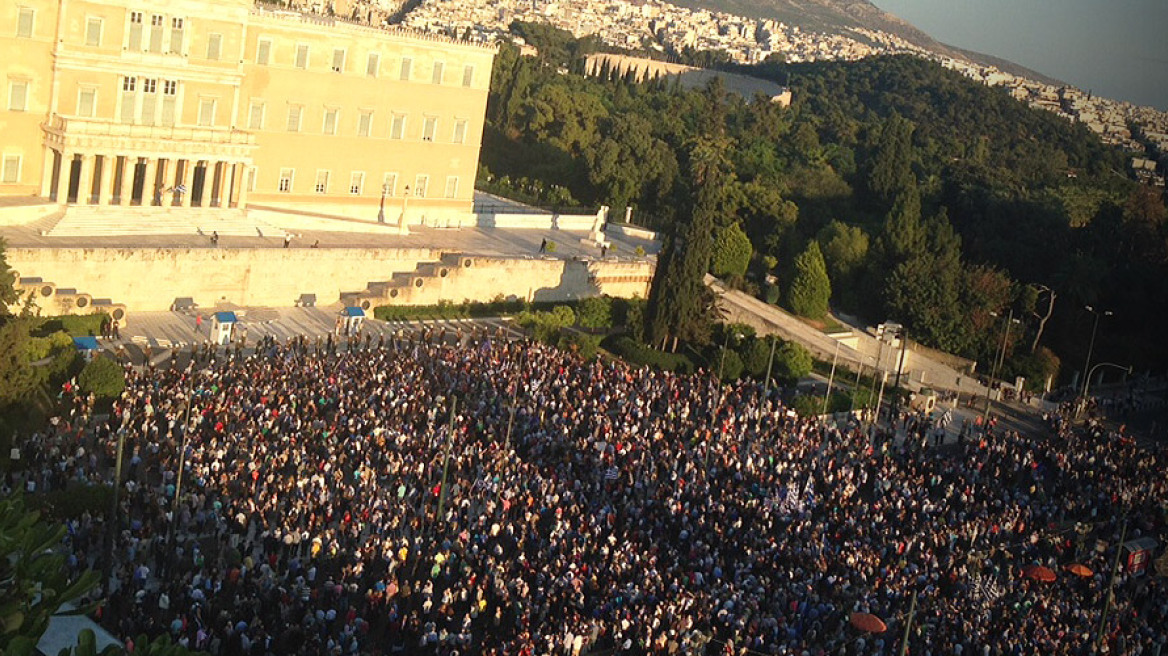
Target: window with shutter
263,52
176,35
93,32
24,22
214,46
255,119
10,171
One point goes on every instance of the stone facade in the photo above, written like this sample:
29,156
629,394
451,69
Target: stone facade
218,103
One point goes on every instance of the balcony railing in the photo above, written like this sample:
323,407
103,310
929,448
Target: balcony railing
89,127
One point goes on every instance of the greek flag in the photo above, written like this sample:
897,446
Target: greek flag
180,189
808,495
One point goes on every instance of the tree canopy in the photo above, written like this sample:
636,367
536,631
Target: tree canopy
934,199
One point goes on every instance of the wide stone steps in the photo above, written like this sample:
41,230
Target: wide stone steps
401,283
125,221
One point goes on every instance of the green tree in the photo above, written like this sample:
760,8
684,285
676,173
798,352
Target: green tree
732,251
924,290
18,378
8,293
792,361
728,362
34,577
904,233
565,119
545,326
103,378
595,312
810,292
844,249
678,299
630,166
756,355
891,165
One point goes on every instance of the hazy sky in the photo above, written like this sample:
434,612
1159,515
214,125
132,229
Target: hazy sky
1117,48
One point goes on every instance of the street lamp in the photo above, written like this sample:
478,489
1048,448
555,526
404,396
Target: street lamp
381,209
1091,345
830,378
766,386
1092,372
182,457
884,329
999,360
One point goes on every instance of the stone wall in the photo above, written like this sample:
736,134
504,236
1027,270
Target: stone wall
151,278
476,278
147,279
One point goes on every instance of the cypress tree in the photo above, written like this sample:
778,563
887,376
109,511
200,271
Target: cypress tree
679,300
810,291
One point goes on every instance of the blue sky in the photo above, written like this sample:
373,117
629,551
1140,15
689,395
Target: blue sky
1118,49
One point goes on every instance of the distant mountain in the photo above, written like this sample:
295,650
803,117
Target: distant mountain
841,16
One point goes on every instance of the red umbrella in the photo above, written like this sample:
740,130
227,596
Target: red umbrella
1039,573
868,623
1080,570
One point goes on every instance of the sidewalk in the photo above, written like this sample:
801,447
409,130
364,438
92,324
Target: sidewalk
168,332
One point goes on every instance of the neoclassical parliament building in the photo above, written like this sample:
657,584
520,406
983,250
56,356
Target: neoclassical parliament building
227,103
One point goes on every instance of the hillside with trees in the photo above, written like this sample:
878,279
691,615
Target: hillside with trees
930,199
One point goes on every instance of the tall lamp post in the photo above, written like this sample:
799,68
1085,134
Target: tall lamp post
884,329
999,360
182,458
381,208
1091,345
830,378
1103,364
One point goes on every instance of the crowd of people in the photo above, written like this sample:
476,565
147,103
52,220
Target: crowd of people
506,497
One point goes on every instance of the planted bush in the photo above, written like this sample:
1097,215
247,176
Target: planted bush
103,378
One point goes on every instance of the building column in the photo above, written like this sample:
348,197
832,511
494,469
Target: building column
223,176
163,171
104,191
63,174
48,172
230,175
244,180
85,179
150,183
211,185
188,180
129,165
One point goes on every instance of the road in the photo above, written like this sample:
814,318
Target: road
920,370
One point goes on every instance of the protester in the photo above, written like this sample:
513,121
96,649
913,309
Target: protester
588,507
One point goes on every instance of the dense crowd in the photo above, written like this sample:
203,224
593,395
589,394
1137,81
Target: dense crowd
588,507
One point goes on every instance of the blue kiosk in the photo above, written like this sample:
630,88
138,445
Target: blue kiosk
222,327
